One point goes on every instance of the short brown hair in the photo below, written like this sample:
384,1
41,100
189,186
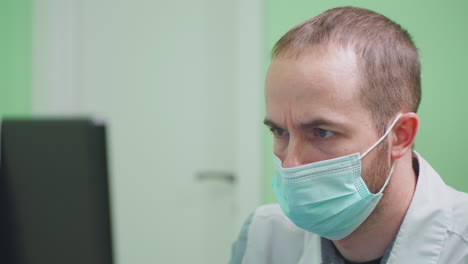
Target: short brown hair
388,61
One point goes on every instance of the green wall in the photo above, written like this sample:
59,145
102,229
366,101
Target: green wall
15,57
439,31
436,26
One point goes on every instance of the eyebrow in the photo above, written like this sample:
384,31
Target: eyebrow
318,122
313,123
270,123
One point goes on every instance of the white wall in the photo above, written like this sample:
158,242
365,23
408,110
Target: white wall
141,65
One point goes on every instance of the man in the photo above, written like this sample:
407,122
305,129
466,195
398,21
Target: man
342,93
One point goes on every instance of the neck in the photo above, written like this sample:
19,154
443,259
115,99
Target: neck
372,239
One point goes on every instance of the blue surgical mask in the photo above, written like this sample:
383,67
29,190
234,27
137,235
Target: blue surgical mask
328,197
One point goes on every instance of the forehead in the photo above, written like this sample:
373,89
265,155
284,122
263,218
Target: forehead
320,81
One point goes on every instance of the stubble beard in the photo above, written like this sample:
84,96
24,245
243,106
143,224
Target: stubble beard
375,176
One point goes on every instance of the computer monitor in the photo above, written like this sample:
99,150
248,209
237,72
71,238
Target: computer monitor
54,193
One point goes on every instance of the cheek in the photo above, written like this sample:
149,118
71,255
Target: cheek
375,169
334,147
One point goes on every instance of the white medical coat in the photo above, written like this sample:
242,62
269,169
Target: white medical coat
434,230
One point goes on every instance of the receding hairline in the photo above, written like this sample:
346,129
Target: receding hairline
326,48
333,51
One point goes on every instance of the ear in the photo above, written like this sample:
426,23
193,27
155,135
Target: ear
404,134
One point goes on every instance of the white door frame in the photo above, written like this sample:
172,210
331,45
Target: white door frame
250,166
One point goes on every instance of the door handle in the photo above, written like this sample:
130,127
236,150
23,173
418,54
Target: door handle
215,176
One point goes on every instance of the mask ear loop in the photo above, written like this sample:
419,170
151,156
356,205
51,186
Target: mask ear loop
382,138
377,143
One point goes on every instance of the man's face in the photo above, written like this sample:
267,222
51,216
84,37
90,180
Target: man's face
314,113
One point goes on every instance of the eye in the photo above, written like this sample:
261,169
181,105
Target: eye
278,132
323,133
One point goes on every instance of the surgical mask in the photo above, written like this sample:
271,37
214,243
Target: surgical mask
328,197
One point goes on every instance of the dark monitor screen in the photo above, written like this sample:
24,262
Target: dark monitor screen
54,193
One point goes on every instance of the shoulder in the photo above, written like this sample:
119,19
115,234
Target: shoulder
268,236
456,243
272,213
454,206
459,224
454,203
269,221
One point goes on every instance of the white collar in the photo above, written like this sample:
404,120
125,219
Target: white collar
426,221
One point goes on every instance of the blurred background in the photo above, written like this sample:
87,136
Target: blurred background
180,85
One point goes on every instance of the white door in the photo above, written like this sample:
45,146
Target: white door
178,83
